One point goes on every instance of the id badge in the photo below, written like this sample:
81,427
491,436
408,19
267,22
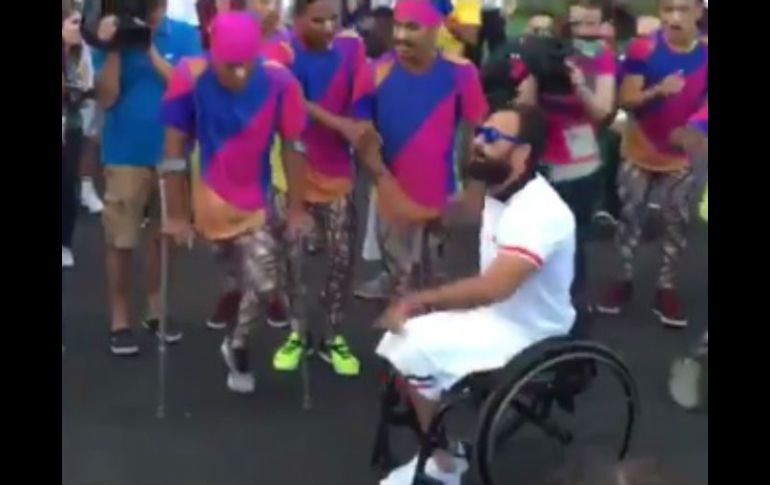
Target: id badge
581,143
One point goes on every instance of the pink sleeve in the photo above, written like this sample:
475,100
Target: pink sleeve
364,92
293,111
279,52
605,63
518,69
637,54
178,106
472,100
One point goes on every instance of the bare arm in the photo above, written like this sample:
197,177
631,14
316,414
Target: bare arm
108,82
370,154
294,167
163,67
176,181
329,120
633,94
599,104
501,280
468,34
528,91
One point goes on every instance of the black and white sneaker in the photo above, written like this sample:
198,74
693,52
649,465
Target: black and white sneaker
123,343
173,332
239,379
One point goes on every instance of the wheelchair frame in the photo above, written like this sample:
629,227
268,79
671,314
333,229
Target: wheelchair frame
495,391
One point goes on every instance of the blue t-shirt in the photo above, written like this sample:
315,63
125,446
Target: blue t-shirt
133,131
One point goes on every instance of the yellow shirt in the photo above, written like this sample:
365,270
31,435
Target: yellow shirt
466,12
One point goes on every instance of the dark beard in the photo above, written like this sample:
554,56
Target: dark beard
493,173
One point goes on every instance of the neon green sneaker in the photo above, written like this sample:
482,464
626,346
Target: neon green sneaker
288,355
337,353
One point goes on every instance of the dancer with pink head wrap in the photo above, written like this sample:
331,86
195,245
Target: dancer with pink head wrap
232,101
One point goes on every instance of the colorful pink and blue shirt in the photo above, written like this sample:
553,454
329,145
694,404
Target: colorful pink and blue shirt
235,131
647,139
417,116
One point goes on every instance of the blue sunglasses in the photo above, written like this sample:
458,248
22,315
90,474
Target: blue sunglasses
491,135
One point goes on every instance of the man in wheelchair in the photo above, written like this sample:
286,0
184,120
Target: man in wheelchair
521,296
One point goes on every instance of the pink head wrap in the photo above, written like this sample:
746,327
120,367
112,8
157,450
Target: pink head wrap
421,12
235,38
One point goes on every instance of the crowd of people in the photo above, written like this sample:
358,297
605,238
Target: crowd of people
248,125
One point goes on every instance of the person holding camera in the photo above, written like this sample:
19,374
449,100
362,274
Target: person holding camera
665,82
78,80
132,77
576,97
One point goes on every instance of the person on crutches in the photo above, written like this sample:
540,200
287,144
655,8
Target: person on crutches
232,102
688,379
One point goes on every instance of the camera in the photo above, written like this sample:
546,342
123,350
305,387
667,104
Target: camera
545,59
133,29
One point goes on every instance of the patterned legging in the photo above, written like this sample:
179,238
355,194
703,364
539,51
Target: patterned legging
336,221
250,265
634,187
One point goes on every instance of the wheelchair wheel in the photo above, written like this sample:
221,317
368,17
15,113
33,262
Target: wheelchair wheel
555,398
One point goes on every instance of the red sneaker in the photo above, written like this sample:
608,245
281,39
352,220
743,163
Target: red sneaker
669,309
615,297
226,310
278,313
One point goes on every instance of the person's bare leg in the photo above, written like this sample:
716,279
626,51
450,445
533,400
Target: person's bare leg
89,165
152,275
425,409
118,278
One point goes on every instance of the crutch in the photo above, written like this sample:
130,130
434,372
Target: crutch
299,313
161,407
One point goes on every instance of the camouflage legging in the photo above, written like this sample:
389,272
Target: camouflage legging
250,264
404,254
336,221
634,187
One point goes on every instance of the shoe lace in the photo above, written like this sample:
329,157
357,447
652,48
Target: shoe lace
341,348
291,345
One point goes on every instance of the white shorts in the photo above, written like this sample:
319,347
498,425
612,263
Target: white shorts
436,351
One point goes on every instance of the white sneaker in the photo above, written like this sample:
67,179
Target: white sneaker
67,259
89,198
404,475
237,381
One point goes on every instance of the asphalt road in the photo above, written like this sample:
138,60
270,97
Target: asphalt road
110,435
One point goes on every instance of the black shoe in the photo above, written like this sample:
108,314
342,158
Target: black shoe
173,333
123,343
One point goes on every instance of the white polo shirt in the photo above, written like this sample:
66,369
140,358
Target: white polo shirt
537,225
183,11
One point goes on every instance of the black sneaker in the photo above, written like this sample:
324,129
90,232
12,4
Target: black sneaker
123,343
173,333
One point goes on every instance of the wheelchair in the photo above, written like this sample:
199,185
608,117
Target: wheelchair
548,377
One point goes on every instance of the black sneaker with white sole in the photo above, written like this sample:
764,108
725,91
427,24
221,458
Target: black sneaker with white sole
123,342
173,332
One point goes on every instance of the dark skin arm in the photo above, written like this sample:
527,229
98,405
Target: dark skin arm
108,83
294,162
163,67
467,34
177,190
633,95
